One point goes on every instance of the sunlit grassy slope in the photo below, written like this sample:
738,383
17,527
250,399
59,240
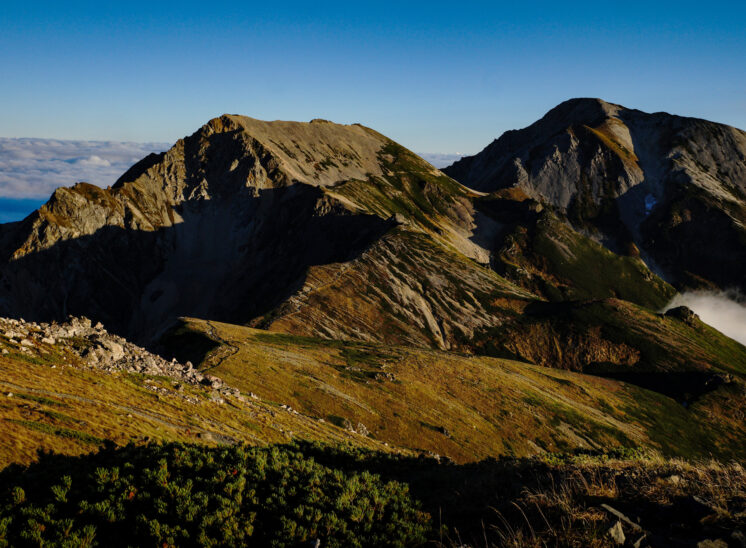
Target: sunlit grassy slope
45,405
463,407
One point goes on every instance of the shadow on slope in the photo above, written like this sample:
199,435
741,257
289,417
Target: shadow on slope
537,249
612,338
233,258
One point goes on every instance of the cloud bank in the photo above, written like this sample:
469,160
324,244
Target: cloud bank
723,310
440,160
34,168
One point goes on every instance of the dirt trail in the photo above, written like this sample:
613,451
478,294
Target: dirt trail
222,353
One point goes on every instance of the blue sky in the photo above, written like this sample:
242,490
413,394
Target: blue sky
437,77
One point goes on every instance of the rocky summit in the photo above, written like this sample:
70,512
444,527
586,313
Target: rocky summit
655,184
243,220
311,228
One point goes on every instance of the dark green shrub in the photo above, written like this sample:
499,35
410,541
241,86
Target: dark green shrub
191,495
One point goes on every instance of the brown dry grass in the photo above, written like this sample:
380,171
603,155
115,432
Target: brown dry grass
570,503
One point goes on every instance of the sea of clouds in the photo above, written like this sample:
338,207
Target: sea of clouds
723,310
33,168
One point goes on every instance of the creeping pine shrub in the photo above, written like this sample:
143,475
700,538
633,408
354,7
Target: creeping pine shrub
191,495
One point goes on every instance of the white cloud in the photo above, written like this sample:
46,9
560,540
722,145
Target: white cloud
93,161
440,159
723,310
34,168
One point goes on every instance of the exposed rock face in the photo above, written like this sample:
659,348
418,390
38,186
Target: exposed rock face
332,231
439,297
660,182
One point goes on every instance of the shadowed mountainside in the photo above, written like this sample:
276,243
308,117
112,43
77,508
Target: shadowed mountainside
331,231
319,289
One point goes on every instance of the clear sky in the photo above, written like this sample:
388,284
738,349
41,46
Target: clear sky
437,77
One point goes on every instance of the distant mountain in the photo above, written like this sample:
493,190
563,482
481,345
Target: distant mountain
672,188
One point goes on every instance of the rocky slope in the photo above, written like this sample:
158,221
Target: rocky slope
652,183
69,387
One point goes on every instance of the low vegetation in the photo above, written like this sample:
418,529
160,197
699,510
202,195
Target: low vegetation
191,495
306,494
70,410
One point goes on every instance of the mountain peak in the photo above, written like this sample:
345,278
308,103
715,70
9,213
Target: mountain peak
582,109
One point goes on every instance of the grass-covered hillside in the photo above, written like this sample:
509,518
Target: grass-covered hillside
463,407
538,249
53,401
611,335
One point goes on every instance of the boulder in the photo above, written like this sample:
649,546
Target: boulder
617,534
683,313
115,350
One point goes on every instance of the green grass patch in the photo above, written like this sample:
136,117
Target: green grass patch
59,432
42,400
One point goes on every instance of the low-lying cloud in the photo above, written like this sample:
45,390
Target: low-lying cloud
723,310
34,168
439,159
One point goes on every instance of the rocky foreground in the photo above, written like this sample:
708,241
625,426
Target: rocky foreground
96,348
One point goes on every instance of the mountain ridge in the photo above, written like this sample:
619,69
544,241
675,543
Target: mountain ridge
322,230
315,281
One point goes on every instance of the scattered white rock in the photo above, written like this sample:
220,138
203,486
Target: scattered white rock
99,349
617,534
